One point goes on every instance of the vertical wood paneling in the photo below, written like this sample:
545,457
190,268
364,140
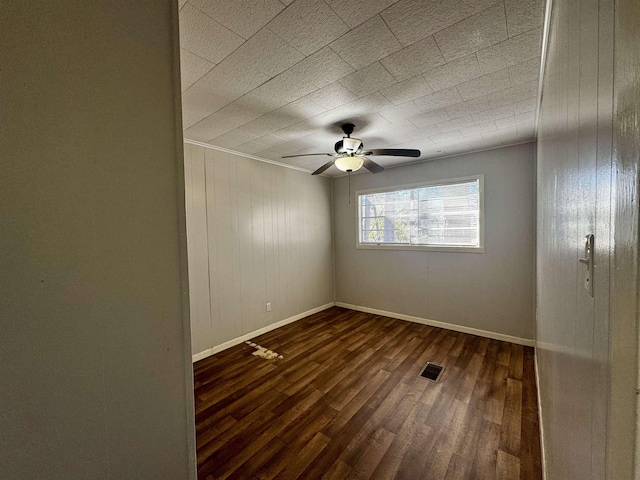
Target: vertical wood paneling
200,300
574,189
211,244
257,233
624,442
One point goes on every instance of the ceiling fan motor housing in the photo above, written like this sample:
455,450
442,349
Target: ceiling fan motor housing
349,146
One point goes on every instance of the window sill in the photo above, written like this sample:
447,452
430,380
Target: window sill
429,248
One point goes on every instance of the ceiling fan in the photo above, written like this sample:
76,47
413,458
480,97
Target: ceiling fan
351,155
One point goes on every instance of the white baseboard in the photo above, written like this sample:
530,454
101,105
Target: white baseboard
223,346
542,444
435,323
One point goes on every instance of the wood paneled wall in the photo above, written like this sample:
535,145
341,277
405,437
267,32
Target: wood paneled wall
574,199
257,233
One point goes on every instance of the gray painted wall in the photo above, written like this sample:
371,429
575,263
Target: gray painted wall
94,367
491,291
257,233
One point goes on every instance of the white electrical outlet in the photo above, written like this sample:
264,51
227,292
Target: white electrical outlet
268,307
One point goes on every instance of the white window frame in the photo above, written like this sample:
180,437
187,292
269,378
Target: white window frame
438,248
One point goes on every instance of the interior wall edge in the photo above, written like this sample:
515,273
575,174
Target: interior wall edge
435,323
182,231
543,459
232,343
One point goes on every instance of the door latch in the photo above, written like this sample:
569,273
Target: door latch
588,261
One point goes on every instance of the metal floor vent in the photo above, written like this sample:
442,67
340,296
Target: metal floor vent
432,372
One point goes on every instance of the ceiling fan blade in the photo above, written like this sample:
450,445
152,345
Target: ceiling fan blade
394,152
372,166
307,155
323,167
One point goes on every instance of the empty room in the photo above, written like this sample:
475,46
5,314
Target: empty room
361,239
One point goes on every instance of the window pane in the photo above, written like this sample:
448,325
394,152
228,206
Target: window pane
445,215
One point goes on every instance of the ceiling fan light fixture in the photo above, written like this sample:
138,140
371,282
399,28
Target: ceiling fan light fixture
349,164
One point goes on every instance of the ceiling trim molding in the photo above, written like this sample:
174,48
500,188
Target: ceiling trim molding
543,61
246,155
362,170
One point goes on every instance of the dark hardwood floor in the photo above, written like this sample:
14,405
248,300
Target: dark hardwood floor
347,402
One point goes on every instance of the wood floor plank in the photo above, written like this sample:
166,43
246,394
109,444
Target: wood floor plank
338,471
305,457
484,463
507,466
347,402
368,461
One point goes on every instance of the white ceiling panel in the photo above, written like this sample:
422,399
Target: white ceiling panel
368,80
485,85
526,117
356,109
493,114
523,15
262,143
431,118
526,105
269,78
367,43
299,129
356,12
257,53
205,37
412,20
525,71
244,17
424,132
511,52
222,121
513,94
233,139
407,90
468,108
322,68
299,145
478,129
308,25
441,99
456,123
222,85
454,73
302,108
332,96
283,117
448,138
192,68
474,33
279,91
420,57
401,112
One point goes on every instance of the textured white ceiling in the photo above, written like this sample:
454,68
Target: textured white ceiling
275,77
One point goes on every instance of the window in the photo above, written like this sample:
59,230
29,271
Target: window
443,215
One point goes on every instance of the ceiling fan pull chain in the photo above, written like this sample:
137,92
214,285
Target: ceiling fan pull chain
349,187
